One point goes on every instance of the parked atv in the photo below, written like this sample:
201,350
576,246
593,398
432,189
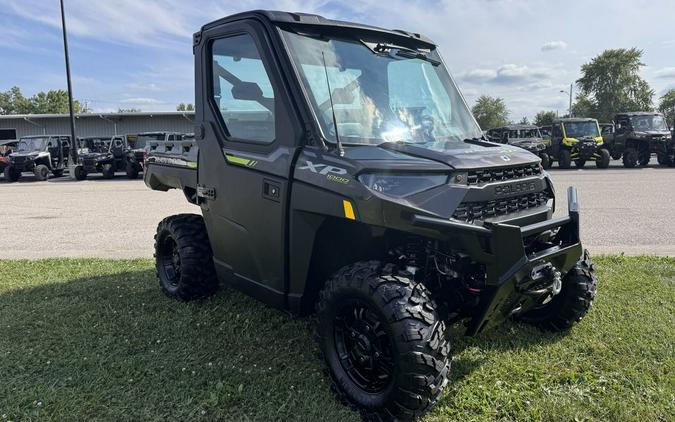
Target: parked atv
527,137
40,155
101,155
634,137
136,155
341,173
6,148
578,140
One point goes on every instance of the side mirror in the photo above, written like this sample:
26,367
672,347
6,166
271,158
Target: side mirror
247,91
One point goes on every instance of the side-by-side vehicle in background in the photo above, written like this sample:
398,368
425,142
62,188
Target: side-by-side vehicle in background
137,153
40,155
577,140
340,172
103,155
527,137
635,136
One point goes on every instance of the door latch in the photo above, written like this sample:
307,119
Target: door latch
271,190
206,192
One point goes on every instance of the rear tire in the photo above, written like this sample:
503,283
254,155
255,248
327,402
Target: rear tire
383,343
545,161
12,174
108,171
132,171
630,158
603,161
183,258
41,172
645,158
80,173
565,159
57,172
572,303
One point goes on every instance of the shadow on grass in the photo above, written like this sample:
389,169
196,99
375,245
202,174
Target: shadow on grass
114,347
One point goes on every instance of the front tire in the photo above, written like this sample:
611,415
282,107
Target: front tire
572,303
41,172
80,173
645,158
603,161
630,158
132,171
565,159
382,341
12,174
545,161
57,172
183,258
580,163
108,171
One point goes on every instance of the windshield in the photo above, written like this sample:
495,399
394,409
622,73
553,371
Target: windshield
649,123
381,93
524,133
32,144
587,128
95,144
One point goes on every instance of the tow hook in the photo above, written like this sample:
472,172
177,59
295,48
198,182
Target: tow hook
547,280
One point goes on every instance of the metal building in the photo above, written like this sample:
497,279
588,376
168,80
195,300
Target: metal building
95,124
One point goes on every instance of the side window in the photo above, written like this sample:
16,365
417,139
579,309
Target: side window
242,89
556,131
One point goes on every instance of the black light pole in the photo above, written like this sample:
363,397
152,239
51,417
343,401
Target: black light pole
73,139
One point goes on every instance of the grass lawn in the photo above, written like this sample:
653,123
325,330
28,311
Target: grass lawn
97,340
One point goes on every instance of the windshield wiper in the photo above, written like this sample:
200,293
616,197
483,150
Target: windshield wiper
399,51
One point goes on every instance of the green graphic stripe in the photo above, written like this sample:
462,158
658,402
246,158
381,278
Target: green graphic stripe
243,161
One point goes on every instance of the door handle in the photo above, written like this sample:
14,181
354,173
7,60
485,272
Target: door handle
271,190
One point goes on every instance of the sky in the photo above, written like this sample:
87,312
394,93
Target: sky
138,53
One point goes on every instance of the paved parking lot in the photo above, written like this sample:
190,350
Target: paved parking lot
630,211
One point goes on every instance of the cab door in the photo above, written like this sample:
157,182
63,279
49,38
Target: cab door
247,134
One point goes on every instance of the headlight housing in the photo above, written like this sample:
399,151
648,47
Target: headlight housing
400,185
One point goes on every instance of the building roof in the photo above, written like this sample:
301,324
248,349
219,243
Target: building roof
98,115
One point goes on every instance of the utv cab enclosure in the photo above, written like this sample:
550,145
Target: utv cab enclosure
527,137
577,139
634,137
136,154
340,172
39,155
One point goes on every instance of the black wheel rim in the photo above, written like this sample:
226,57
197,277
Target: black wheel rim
169,262
364,347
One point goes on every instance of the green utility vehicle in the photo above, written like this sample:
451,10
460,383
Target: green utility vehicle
340,173
578,139
634,137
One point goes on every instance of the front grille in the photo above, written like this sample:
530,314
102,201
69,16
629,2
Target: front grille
470,211
477,177
89,162
19,160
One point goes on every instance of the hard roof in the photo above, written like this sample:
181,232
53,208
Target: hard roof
324,24
575,119
638,113
516,127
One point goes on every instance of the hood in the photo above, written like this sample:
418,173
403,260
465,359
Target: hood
31,154
467,156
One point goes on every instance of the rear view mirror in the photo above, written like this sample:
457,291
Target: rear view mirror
247,91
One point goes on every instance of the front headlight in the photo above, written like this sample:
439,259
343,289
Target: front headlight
400,185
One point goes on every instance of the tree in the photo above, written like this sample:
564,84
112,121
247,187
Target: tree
544,118
611,83
50,102
490,112
524,121
129,110
667,106
185,107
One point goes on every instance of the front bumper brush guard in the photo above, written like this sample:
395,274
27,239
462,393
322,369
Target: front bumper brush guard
501,248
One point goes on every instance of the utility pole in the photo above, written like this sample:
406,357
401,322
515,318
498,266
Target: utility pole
73,139
571,88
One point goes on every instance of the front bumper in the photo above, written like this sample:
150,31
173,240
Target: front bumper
585,151
501,247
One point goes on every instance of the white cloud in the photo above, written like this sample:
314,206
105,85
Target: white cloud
665,73
506,74
141,100
554,45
